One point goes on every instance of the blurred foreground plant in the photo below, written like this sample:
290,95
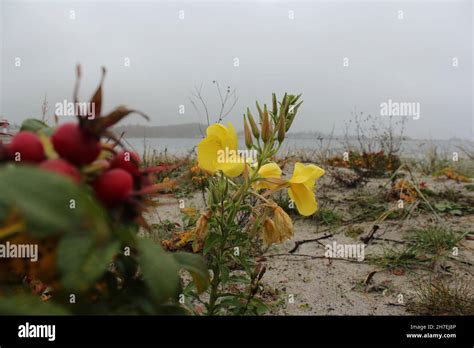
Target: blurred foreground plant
81,202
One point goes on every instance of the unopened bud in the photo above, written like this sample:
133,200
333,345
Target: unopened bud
253,125
266,126
284,106
274,105
281,128
260,112
247,135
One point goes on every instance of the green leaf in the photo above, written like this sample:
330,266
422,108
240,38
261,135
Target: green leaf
160,270
260,306
29,305
43,199
82,261
195,265
224,273
34,125
244,263
232,303
210,241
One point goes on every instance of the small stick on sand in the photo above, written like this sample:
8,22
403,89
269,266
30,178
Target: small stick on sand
370,235
300,242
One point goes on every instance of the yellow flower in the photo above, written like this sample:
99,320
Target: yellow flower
219,151
268,171
301,187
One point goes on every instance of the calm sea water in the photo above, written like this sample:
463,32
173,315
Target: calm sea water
183,146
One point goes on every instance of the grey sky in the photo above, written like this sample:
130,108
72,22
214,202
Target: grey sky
407,60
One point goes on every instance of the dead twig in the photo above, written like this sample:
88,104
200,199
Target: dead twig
370,235
304,241
395,304
314,257
461,261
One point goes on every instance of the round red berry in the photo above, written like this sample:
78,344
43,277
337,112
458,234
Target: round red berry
26,146
127,160
71,143
113,186
62,167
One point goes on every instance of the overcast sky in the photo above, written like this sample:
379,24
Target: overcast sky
405,60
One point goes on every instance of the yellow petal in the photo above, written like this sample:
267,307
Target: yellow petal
269,170
304,199
207,153
306,174
227,136
218,131
232,169
218,151
232,140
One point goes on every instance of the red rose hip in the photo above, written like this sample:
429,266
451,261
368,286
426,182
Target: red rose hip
127,160
26,146
113,186
71,143
62,167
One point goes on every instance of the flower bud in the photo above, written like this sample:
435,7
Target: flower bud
281,129
284,106
253,125
266,126
260,112
274,105
247,135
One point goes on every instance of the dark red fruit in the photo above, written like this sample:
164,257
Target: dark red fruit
127,160
62,167
27,146
113,186
72,144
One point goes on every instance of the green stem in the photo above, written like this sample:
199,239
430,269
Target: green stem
213,296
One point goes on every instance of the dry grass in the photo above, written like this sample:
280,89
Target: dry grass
443,297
